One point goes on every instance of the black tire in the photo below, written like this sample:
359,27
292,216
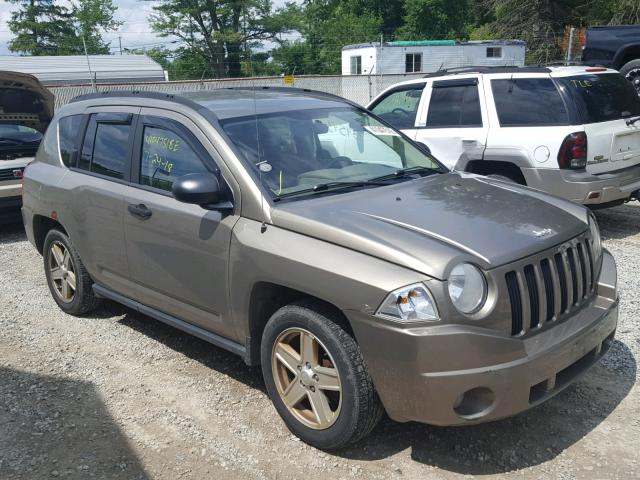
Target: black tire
84,299
631,71
360,409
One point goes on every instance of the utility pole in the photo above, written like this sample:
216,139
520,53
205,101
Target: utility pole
570,49
120,43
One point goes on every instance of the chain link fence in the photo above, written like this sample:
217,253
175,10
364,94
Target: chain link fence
357,88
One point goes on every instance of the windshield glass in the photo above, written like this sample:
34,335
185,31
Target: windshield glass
294,150
602,98
18,141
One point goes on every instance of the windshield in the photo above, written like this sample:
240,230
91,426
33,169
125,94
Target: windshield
293,151
602,98
18,141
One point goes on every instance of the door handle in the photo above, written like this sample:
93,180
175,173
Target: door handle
140,210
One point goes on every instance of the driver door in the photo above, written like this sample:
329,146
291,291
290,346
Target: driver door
178,253
399,107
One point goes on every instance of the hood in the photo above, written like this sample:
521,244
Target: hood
432,223
24,101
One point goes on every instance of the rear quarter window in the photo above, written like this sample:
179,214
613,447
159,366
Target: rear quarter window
602,98
528,102
68,138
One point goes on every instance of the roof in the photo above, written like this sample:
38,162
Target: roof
554,71
69,69
433,43
227,103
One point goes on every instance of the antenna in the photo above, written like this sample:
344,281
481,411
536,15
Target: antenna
93,81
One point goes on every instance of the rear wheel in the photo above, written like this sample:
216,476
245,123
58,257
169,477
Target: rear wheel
68,280
631,71
317,378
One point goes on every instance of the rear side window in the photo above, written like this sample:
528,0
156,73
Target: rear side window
165,157
106,147
454,103
602,98
528,102
400,107
69,138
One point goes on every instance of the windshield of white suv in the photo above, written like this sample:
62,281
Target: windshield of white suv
17,141
305,151
602,98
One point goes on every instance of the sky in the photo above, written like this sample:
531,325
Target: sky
134,32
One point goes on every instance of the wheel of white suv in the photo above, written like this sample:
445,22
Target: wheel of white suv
317,378
68,280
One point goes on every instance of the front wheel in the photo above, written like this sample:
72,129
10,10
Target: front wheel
317,379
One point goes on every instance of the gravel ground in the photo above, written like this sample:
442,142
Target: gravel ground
119,395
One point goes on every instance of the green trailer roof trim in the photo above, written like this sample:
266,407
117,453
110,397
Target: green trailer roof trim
421,43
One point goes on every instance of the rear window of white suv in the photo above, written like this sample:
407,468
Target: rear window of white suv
603,97
528,102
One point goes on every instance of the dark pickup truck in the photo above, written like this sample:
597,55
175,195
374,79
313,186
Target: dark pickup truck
615,47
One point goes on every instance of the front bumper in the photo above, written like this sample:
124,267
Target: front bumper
583,187
457,374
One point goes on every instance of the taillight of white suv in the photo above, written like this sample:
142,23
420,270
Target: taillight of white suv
573,151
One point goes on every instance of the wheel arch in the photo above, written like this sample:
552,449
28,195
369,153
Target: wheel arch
267,297
626,54
498,167
41,227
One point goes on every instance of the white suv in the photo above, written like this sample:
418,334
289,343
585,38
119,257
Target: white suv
570,131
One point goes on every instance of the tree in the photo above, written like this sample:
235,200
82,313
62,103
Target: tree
435,19
42,27
39,27
91,17
539,22
219,31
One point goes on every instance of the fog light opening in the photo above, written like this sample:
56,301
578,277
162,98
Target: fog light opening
474,403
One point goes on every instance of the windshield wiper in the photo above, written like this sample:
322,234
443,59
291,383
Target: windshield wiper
332,186
404,172
631,121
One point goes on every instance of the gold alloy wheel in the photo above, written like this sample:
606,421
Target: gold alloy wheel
61,271
306,378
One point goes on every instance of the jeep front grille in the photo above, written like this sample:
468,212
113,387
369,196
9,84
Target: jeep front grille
7,174
551,287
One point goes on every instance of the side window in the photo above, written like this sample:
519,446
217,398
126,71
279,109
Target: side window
413,62
105,149
68,133
356,65
454,104
494,52
165,157
399,107
528,102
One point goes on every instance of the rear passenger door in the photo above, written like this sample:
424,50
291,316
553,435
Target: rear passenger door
99,166
454,120
178,253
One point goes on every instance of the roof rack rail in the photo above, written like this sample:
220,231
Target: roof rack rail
488,69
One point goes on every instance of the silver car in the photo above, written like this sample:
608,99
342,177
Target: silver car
301,232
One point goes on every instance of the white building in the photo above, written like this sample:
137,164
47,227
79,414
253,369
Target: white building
74,69
429,56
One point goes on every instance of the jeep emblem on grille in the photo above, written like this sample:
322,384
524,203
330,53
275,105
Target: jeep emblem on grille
545,232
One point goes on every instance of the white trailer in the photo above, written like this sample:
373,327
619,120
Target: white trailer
429,56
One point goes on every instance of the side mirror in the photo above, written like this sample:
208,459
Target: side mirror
199,188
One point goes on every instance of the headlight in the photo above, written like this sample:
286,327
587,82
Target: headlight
467,288
596,242
409,304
